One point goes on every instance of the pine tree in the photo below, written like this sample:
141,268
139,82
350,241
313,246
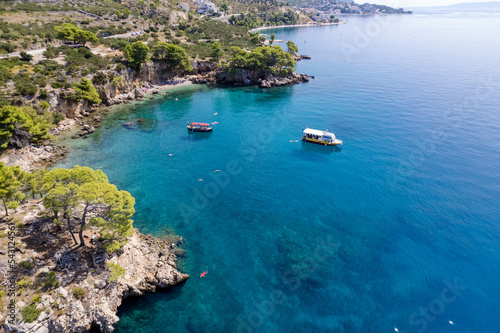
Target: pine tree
10,180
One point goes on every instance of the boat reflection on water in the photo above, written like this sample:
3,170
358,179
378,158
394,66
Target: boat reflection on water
194,136
317,149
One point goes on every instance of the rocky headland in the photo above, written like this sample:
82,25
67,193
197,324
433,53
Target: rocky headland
243,77
76,289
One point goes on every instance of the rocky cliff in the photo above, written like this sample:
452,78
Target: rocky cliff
130,86
243,77
133,84
149,263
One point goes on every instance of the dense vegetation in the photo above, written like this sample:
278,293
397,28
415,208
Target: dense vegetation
70,32
254,20
267,59
29,84
136,53
85,90
13,118
173,55
80,191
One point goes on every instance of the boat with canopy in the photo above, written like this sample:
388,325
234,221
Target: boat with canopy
320,137
199,127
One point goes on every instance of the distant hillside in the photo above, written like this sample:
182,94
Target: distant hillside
492,5
477,5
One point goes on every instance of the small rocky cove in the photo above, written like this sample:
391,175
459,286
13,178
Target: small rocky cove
46,248
86,295
134,85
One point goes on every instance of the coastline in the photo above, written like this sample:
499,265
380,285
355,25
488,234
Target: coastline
297,26
34,157
148,264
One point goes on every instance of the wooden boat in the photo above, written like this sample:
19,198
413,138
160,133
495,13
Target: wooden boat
199,127
320,137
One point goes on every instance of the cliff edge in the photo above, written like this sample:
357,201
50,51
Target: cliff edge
65,288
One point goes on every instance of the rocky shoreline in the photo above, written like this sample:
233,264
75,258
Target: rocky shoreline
148,262
152,78
242,77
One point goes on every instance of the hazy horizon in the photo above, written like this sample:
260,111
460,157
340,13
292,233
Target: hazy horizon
424,3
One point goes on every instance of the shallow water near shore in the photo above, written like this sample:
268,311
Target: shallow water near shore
398,228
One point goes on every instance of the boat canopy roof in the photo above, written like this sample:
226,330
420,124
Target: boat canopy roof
319,133
200,124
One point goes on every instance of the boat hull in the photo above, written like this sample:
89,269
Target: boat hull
322,143
209,129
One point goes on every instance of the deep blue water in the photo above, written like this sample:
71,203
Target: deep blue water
302,238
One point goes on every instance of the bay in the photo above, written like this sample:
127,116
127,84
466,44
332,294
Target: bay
368,237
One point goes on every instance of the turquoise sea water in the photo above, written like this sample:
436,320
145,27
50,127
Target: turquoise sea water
399,228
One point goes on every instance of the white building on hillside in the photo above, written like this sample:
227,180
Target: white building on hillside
206,7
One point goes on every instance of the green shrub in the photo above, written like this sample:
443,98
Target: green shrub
120,67
44,94
5,73
24,282
113,246
25,56
85,90
27,265
48,67
58,117
11,116
25,88
82,57
51,280
79,292
60,84
117,81
40,81
30,313
36,299
51,52
116,270
44,105
100,79
7,47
